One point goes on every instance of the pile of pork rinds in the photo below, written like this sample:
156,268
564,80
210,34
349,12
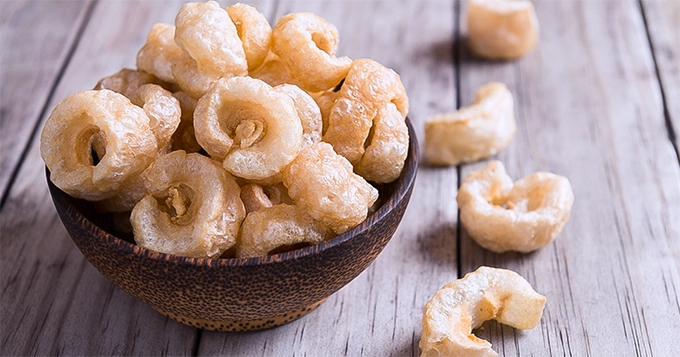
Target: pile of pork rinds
233,138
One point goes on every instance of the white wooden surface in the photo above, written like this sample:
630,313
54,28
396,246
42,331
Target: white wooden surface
589,104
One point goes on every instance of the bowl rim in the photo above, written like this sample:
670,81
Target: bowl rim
407,178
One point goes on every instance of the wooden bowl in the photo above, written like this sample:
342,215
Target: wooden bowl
242,293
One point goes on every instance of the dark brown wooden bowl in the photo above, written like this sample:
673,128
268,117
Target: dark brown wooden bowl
242,293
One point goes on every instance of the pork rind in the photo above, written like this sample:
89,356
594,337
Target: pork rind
323,184
254,198
94,141
472,133
278,227
159,52
522,217
254,31
193,208
211,44
359,116
307,110
464,304
252,128
502,29
306,44
386,147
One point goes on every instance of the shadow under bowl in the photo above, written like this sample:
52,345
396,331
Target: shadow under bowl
238,294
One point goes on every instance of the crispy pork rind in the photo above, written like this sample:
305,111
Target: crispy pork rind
325,102
483,129
254,31
273,71
212,48
522,217
307,110
368,87
184,137
278,227
464,304
306,44
502,29
192,208
323,184
252,128
386,147
159,52
254,198
99,123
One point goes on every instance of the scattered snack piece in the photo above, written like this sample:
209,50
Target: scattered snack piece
306,44
193,208
464,304
475,132
522,217
275,228
323,184
502,29
253,128
94,141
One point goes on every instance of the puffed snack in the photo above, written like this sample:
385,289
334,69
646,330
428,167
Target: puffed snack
501,216
323,184
193,207
472,133
502,29
464,304
94,141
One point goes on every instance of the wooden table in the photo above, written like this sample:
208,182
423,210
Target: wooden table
597,101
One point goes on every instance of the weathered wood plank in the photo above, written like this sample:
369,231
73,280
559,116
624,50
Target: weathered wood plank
588,107
663,22
53,301
36,37
379,313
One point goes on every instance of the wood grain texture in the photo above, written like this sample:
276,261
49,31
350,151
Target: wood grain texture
663,22
53,301
380,312
588,107
36,37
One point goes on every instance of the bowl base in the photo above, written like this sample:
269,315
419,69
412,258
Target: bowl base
243,325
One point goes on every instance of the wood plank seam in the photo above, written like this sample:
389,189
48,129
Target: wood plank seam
43,112
672,134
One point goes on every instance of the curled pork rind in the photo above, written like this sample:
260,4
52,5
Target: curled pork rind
323,184
159,52
193,208
387,147
277,227
184,137
501,217
464,304
102,123
273,71
254,129
254,198
307,110
502,29
253,30
366,122
475,132
306,44
211,44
